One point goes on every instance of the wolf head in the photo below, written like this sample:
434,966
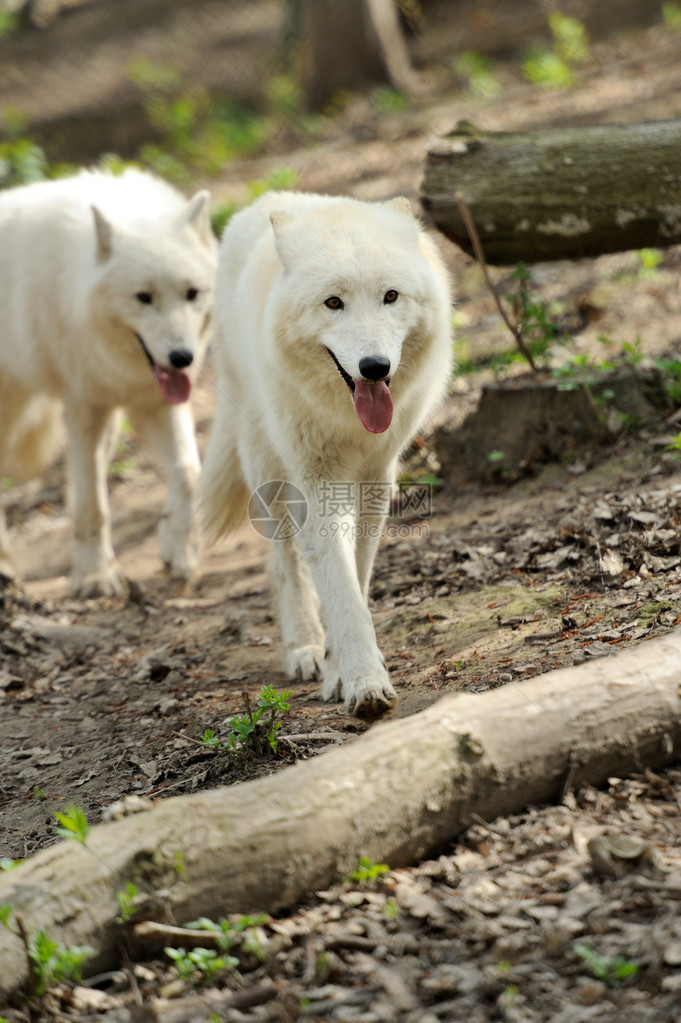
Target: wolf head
355,284
155,290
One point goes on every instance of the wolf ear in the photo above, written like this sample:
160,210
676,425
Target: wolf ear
401,205
280,219
196,215
103,234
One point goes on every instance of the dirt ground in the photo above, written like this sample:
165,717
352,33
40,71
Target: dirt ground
497,584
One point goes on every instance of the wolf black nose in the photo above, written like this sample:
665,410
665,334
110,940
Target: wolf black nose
180,358
374,367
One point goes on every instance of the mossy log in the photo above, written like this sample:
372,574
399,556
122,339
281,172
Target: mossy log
558,193
398,794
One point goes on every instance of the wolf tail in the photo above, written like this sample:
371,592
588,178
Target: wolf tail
223,495
33,440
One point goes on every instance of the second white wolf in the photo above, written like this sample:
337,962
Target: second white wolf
332,343
106,286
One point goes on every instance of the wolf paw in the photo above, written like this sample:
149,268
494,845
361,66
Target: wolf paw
180,559
304,662
100,584
370,698
7,573
332,684
369,694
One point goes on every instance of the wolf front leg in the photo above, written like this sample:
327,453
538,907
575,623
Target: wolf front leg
169,429
95,573
6,571
277,510
354,669
373,505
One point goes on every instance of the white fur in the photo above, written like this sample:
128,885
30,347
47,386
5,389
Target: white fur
73,256
285,413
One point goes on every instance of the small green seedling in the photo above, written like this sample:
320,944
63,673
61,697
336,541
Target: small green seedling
534,319
228,933
54,961
257,727
73,824
199,964
613,970
671,16
126,899
649,261
671,376
556,68
48,961
368,870
475,70
675,445
391,909
210,740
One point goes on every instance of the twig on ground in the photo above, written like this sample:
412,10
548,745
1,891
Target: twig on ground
185,937
480,256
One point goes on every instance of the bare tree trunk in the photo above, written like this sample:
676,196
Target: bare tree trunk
398,794
351,44
558,193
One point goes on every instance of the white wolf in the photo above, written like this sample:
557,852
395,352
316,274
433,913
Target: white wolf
106,288
332,341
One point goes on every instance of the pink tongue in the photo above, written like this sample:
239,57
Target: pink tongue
174,384
373,405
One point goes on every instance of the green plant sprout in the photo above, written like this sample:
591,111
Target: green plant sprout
9,22
126,902
477,74
671,16
257,728
556,68
675,445
368,870
73,824
48,961
671,375
199,964
534,319
649,262
201,133
385,100
228,933
613,970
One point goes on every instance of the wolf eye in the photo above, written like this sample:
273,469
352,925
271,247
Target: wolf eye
145,297
390,297
192,294
334,303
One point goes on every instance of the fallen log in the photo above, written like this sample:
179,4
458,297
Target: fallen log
398,794
558,193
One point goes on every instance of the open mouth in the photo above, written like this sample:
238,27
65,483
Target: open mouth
373,401
174,384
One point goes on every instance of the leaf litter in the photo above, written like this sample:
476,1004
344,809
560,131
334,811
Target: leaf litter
565,914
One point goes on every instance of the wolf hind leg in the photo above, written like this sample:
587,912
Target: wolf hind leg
223,493
29,439
95,573
170,431
298,606
6,570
